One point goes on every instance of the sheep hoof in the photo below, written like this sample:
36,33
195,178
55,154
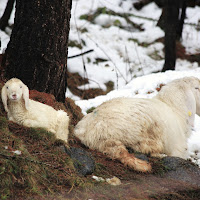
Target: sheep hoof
141,165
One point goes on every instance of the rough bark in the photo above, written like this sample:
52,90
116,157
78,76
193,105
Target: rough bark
140,4
170,26
182,13
37,51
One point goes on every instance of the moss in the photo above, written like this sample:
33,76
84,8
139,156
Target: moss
88,60
158,167
103,10
3,122
90,110
84,30
39,134
143,44
155,55
17,173
110,86
117,23
83,42
41,168
74,43
99,60
84,17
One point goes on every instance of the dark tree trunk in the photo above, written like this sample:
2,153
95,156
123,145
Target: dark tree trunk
6,15
37,51
140,4
161,21
182,18
171,22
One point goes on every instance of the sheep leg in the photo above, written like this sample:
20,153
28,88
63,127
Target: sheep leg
30,123
116,150
183,153
62,131
63,134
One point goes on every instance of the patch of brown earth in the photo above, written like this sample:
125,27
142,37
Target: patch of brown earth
74,80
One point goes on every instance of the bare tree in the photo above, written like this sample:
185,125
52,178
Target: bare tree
172,20
38,47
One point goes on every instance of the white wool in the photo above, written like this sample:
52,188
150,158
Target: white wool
156,126
24,111
113,181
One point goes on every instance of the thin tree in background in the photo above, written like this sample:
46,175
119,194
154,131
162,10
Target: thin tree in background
173,20
183,7
38,47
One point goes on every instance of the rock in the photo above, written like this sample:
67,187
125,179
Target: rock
183,170
137,154
83,161
141,156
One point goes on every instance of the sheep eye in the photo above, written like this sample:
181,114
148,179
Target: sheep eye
196,88
20,86
6,87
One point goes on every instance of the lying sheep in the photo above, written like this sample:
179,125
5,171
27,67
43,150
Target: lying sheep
24,111
156,126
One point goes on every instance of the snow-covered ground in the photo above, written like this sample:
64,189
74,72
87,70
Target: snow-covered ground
130,56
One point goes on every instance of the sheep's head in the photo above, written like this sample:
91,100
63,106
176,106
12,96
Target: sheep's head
14,90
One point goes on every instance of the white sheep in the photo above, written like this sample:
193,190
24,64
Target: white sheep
30,113
158,126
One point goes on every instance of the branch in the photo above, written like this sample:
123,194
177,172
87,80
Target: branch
91,50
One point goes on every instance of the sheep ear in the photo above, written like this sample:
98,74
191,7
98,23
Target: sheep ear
4,98
26,96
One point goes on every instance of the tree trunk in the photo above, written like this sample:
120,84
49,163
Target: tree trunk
38,48
171,23
140,4
6,15
182,18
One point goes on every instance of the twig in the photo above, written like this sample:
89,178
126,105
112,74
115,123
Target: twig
127,62
109,58
79,37
136,50
155,20
71,188
94,82
83,53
